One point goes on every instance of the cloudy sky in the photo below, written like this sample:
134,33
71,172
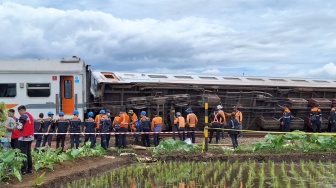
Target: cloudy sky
223,37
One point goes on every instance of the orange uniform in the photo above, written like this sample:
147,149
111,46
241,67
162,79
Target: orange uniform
97,120
180,120
123,120
133,119
155,121
192,120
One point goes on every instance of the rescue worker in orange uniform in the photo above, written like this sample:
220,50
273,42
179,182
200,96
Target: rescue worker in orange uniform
191,124
215,122
133,128
286,119
180,122
315,117
239,118
157,123
123,122
116,128
223,123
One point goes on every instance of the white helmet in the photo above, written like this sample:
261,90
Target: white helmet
219,107
178,113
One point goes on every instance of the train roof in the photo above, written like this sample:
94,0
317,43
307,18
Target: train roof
133,77
72,64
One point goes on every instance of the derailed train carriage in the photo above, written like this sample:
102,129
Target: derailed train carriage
69,84
259,98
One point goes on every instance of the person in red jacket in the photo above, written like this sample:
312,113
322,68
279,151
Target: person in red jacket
26,131
15,133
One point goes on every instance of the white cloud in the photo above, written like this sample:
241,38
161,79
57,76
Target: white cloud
263,38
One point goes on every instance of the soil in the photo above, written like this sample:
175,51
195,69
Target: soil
92,166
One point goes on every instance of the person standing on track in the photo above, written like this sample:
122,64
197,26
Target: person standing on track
156,127
74,127
61,127
145,125
116,128
38,128
215,118
180,123
123,122
223,122
191,123
48,128
315,117
234,124
286,120
90,130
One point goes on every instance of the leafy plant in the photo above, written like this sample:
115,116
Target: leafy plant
45,158
39,180
11,163
169,145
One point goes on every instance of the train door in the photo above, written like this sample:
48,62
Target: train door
67,94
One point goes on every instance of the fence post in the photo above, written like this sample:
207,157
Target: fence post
206,127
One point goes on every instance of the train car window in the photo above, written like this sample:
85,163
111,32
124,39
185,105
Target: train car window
109,76
299,80
278,80
255,79
67,89
237,79
8,90
208,78
184,77
321,81
38,90
157,76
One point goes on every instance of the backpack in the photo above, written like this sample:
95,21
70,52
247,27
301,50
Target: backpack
145,123
137,124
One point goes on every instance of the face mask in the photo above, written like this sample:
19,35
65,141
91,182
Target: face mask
108,114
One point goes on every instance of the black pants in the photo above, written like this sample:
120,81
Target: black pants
38,138
234,140
47,138
116,137
181,133
222,131
108,137
316,126
60,138
333,126
145,138
103,140
92,139
25,147
74,138
240,128
191,134
15,143
156,139
122,137
286,126
215,125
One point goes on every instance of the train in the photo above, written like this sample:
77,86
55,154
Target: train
69,84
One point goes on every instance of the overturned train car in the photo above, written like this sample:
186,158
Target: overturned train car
259,98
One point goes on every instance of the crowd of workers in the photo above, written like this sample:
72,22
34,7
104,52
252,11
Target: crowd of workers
19,132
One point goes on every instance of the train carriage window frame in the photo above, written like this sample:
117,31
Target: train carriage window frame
8,90
36,90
